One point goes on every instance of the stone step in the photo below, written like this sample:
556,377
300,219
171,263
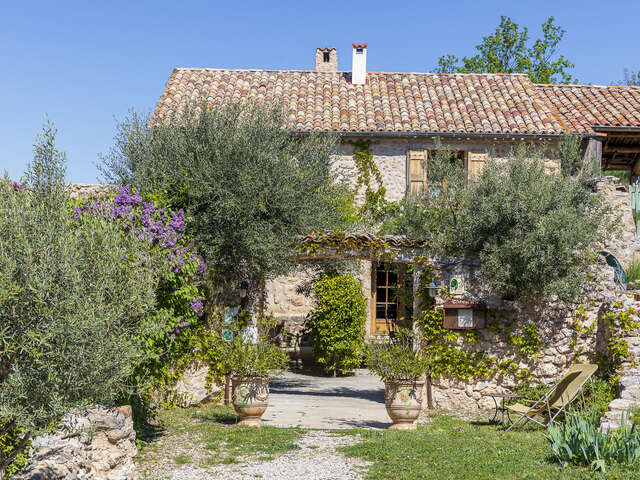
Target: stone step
627,380
622,404
631,393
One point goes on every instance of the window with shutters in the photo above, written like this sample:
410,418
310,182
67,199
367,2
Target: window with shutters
418,180
417,174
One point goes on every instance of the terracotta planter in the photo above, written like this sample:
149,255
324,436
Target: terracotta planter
250,397
403,400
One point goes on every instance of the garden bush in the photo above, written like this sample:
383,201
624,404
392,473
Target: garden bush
526,223
579,440
79,322
238,343
336,324
166,353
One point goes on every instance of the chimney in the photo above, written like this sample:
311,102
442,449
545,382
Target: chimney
326,59
359,69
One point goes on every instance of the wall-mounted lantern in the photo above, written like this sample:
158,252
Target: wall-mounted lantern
464,315
432,289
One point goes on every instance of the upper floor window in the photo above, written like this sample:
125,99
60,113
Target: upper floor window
423,176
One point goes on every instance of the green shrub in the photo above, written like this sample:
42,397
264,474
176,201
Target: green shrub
337,323
261,359
529,224
10,439
579,441
240,345
73,299
534,230
397,359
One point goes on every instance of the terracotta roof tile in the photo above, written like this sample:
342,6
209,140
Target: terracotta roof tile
411,102
388,102
583,107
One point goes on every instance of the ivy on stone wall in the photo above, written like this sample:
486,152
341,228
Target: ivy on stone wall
620,323
368,172
442,346
445,348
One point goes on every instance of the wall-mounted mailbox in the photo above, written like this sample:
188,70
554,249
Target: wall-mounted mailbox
465,315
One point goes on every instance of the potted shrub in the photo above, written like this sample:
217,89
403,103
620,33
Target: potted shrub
402,369
252,360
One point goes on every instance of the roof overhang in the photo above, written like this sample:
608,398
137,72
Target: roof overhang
502,136
620,147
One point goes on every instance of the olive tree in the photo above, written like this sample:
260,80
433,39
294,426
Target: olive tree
248,186
73,296
534,230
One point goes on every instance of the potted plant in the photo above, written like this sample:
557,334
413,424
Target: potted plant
402,367
252,360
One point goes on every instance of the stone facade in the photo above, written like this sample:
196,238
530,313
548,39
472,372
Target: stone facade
98,444
391,157
625,244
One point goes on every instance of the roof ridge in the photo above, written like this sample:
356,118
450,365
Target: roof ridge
338,71
583,85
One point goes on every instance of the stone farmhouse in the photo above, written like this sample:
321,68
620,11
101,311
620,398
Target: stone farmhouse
404,115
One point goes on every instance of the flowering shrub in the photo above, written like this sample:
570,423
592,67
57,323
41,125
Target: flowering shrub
180,298
75,302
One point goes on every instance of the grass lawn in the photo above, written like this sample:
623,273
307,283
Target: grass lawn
207,436
455,449
448,448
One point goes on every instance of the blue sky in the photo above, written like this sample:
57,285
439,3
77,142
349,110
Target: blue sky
86,63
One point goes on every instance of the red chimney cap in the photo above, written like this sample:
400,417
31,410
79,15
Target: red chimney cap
359,45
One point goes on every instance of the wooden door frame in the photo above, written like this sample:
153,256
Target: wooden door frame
400,306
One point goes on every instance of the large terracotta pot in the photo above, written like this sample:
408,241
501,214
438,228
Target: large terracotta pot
250,397
403,400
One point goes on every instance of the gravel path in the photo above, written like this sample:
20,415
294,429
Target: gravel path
317,459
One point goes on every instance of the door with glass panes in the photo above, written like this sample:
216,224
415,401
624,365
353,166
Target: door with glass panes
390,307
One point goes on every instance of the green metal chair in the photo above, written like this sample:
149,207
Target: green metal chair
555,401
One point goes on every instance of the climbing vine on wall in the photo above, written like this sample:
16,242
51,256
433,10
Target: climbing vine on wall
368,173
445,348
442,346
620,323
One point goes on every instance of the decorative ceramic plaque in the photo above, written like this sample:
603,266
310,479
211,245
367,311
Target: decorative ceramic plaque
456,285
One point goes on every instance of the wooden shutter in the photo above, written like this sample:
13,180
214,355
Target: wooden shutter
417,181
475,163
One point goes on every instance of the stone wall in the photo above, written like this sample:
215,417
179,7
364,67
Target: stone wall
86,190
566,335
98,444
625,244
